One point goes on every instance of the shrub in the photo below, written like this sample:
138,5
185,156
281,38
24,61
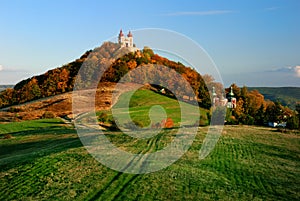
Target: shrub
292,122
167,123
103,117
15,109
113,126
48,115
6,136
203,120
231,120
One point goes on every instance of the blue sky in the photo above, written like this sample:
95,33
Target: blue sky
253,43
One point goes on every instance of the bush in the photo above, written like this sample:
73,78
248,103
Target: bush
203,120
113,126
103,117
48,115
167,123
15,109
7,136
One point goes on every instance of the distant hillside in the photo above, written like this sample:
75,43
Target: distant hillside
3,87
288,96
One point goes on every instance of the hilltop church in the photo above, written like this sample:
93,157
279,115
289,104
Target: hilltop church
125,41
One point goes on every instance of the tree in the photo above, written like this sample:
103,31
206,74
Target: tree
274,112
260,116
62,85
254,100
239,111
293,122
298,110
244,92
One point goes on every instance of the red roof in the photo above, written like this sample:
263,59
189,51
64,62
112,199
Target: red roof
121,33
129,34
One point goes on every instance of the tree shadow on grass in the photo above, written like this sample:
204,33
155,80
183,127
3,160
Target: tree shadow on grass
30,145
55,130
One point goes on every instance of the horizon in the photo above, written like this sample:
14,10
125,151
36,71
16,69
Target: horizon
253,44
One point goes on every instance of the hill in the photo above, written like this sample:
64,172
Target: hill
61,80
288,96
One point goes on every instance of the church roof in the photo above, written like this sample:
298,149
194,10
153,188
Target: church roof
129,34
121,33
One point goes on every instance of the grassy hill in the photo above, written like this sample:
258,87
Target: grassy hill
286,95
142,101
45,160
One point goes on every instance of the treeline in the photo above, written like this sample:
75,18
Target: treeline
253,109
51,83
62,79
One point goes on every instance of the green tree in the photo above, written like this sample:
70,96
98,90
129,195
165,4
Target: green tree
293,122
274,112
260,116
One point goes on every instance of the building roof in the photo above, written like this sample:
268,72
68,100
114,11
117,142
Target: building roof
129,34
121,33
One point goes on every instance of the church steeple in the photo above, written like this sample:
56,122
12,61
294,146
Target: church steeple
121,33
231,99
129,34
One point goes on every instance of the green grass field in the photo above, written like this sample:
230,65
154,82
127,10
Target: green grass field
144,102
45,160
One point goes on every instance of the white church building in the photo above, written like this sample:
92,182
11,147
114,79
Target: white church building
125,41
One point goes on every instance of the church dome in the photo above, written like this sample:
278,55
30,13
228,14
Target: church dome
121,33
129,34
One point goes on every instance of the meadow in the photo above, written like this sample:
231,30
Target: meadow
45,160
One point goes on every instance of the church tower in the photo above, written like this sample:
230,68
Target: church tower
231,99
121,37
130,39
